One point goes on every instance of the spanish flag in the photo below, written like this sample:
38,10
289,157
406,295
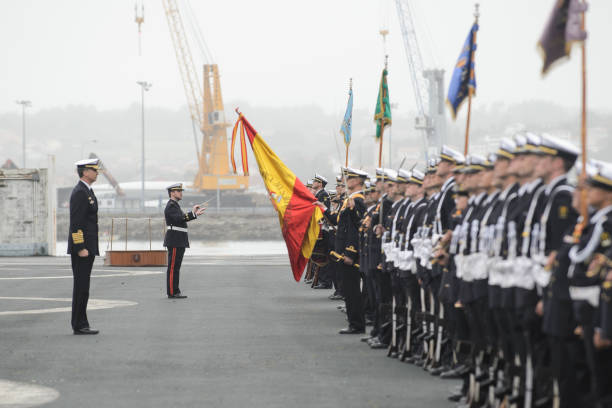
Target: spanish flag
298,217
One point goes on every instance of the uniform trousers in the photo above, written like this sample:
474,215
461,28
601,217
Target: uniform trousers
81,271
175,258
351,279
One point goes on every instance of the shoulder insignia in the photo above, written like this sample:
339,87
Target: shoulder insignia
351,249
563,212
606,284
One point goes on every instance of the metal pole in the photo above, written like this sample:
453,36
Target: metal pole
23,133
218,197
142,181
144,86
24,104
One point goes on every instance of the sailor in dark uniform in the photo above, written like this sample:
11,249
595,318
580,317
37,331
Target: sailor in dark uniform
368,290
319,182
550,237
83,241
411,220
347,247
334,207
176,237
375,259
585,281
441,234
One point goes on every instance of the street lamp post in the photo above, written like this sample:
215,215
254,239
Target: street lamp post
24,104
144,86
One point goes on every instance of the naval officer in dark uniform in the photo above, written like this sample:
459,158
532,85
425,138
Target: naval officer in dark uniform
347,247
325,272
176,237
83,241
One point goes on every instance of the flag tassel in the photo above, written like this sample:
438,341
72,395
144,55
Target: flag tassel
239,126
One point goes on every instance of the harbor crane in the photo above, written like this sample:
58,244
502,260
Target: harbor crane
427,84
205,103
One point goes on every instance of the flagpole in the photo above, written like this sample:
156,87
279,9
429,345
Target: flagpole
470,90
347,144
583,131
467,124
346,162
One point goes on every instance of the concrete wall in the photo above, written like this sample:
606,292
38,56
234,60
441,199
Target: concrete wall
27,205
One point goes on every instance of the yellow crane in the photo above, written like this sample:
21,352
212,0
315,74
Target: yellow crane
205,105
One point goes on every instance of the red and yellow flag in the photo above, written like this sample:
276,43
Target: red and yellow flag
298,217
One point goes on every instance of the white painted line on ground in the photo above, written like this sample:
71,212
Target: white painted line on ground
94,304
93,275
21,395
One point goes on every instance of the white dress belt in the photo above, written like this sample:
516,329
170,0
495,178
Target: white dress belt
172,227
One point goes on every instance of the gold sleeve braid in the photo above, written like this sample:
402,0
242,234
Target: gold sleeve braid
77,237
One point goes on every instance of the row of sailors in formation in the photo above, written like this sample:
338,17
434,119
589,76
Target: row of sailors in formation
481,268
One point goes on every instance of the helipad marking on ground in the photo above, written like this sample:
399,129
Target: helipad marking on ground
122,272
94,304
21,395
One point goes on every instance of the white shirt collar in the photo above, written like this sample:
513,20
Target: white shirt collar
84,182
480,196
447,182
554,182
600,214
492,196
504,194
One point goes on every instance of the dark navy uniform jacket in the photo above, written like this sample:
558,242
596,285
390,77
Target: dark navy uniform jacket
175,217
374,241
348,222
83,232
322,196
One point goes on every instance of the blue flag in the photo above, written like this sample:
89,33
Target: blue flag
345,129
463,82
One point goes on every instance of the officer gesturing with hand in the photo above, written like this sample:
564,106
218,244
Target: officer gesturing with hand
176,239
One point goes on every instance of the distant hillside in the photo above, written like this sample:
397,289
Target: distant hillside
302,136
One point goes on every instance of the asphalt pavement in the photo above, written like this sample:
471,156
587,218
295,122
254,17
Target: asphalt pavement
247,335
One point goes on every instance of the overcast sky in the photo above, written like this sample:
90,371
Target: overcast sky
285,52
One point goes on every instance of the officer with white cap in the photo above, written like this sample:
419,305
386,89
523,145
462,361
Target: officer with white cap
83,241
176,237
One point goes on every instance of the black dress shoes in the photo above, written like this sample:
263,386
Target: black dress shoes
86,330
320,286
351,330
178,296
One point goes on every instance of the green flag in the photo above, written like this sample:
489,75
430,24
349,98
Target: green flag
382,116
